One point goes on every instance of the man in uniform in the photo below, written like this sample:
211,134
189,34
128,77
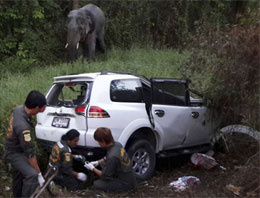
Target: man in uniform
117,175
19,148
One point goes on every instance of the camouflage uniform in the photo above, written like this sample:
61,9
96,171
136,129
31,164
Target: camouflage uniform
18,149
117,174
61,158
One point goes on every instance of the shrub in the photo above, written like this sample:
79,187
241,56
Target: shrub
225,67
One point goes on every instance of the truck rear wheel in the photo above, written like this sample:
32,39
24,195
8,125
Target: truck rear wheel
143,159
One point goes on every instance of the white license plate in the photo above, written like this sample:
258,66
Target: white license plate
60,122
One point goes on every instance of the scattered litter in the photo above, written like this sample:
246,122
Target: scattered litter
184,182
204,161
222,168
234,189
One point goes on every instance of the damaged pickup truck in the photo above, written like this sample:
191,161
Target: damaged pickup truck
150,117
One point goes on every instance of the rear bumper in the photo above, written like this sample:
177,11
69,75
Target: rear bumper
91,153
45,144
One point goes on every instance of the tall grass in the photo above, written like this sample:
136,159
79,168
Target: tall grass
149,62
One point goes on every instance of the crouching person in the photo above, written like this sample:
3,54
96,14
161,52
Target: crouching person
61,158
117,175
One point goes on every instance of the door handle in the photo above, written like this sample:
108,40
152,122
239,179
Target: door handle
159,113
195,114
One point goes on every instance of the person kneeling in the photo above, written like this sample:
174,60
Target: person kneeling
117,175
61,158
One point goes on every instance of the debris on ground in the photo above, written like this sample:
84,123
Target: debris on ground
236,190
203,161
184,182
242,170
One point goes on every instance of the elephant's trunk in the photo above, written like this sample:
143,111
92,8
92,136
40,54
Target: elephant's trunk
72,52
73,46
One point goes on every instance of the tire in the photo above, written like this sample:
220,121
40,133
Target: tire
143,159
241,145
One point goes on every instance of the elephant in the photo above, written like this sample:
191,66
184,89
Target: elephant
85,29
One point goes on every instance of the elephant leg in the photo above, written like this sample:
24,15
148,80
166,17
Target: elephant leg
91,46
102,45
80,52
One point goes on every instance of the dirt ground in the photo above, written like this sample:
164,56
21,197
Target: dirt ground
240,179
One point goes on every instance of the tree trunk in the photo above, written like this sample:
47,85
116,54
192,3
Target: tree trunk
74,4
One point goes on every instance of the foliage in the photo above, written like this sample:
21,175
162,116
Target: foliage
225,66
27,34
34,32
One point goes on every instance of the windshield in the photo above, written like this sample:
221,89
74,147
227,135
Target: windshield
69,94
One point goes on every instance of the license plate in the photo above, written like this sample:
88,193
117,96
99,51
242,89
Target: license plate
60,122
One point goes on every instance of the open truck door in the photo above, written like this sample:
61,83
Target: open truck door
174,115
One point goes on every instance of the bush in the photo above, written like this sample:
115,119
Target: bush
31,34
225,66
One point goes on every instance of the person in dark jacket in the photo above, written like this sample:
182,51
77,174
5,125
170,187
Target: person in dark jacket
19,147
61,158
117,175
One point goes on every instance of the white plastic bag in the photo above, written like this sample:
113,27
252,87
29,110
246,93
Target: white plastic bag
184,182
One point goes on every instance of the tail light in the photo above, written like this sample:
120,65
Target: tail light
80,110
97,112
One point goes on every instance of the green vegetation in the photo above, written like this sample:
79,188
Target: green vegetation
224,66
27,36
33,33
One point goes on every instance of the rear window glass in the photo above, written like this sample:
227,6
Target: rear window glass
68,94
126,91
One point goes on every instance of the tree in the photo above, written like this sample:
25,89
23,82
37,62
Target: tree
74,4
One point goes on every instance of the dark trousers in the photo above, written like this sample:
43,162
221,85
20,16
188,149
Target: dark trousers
69,182
25,177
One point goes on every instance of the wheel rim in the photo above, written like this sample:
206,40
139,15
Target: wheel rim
141,161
